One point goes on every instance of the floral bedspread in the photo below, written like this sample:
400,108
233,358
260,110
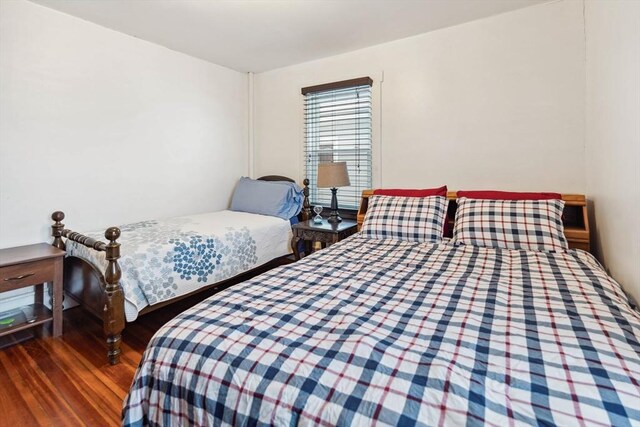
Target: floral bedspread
163,259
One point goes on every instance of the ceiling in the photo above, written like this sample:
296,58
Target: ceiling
260,35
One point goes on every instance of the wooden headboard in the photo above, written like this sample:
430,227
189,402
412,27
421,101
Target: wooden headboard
575,217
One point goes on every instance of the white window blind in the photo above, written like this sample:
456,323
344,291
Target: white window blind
337,120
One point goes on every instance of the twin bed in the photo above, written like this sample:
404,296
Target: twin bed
162,261
398,326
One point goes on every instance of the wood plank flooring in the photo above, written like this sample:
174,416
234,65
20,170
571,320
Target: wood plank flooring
66,381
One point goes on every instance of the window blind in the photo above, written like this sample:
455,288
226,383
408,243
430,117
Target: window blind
338,127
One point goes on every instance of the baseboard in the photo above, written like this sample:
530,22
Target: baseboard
14,299
21,297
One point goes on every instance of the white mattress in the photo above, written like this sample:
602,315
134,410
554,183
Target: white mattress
164,259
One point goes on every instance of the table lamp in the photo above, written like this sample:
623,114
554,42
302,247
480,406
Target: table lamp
333,175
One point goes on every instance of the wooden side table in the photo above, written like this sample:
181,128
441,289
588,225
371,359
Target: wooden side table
325,233
33,265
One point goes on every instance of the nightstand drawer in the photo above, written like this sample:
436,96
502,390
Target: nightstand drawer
30,273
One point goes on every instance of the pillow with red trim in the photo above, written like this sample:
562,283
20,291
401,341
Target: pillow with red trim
406,192
407,219
532,225
410,192
508,195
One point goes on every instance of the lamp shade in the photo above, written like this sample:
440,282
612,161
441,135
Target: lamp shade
333,175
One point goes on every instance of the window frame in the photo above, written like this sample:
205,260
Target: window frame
373,140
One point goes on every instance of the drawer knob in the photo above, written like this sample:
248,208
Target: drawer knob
8,279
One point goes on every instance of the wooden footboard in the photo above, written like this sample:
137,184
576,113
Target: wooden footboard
78,281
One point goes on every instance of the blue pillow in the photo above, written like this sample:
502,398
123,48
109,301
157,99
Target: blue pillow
275,198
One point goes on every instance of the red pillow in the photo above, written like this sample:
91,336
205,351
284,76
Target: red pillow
401,192
508,195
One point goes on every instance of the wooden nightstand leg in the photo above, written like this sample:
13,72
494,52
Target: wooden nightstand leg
39,295
294,247
38,298
57,298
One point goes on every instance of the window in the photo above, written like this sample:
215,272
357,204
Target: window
337,119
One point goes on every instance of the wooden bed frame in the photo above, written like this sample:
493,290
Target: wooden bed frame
101,294
575,217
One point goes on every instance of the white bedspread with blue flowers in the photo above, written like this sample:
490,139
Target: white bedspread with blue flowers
163,259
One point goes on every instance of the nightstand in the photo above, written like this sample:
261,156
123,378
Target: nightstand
325,233
32,265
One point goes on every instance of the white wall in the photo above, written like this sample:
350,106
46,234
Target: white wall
109,128
613,135
495,103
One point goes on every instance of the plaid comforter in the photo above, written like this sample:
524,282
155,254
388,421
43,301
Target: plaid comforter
378,332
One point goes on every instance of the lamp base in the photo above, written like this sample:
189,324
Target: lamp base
334,218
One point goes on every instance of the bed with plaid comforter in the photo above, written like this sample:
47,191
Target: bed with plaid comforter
372,332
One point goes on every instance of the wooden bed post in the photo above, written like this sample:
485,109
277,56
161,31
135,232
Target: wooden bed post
113,297
56,230
306,206
108,284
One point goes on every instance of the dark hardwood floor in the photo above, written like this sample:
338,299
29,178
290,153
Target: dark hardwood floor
67,381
